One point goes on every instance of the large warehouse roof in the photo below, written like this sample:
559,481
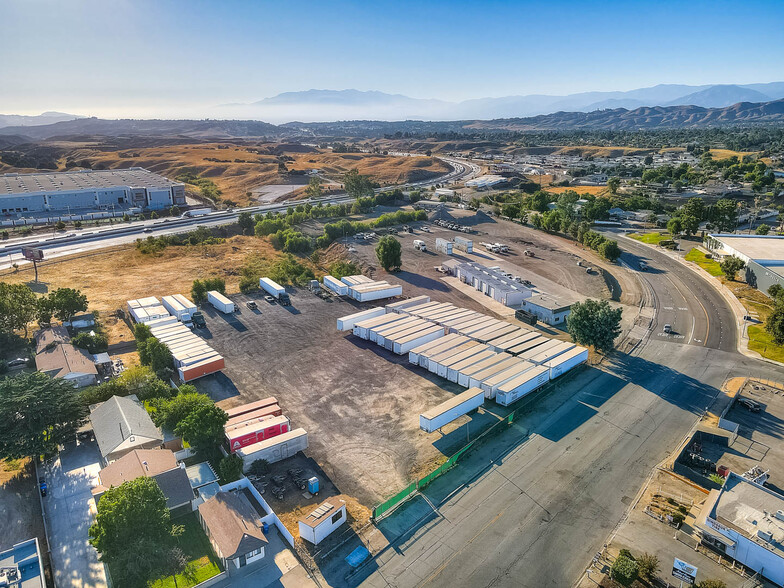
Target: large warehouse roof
760,248
81,180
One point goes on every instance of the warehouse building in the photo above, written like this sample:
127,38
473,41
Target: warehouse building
547,308
745,521
763,254
490,281
87,190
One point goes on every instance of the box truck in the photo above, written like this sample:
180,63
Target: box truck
220,302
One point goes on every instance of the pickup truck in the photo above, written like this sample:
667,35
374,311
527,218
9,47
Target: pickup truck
198,320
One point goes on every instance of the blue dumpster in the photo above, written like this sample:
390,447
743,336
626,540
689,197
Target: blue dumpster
265,527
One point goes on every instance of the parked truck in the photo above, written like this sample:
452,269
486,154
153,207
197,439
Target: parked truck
196,212
275,290
420,245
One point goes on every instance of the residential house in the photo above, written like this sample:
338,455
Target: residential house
158,464
121,425
58,358
234,529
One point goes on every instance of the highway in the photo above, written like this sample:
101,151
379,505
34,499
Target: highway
531,507
89,240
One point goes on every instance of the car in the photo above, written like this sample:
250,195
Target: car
270,299
19,361
749,404
668,328
147,230
251,304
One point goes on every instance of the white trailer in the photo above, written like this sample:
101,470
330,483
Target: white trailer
537,351
196,212
362,329
525,383
378,292
454,370
464,244
424,351
275,448
507,342
410,303
444,246
335,285
491,384
444,357
220,302
486,374
405,345
419,245
346,323
528,345
567,361
377,335
412,310
271,287
355,280
446,412
461,318
552,353
413,329
465,374
179,306
494,332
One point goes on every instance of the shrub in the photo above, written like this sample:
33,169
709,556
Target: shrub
624,570
648,566
230,468
97,343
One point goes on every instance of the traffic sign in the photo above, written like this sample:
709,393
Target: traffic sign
684,571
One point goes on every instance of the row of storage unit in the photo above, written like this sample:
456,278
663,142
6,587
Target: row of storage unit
255,422
193,358
398,333
362,288
446,412
144,310
179,306
335,285
464,244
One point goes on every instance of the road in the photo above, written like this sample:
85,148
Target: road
533,506
87,240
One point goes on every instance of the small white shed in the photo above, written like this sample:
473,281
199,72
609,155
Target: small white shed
320,523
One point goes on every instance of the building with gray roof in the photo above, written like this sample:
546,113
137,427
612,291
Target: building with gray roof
21,566
121,424
86,190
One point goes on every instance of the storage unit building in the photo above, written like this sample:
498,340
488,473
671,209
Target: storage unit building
318,525
549,309
255,431
274,449
193,357
144,310
447,411
335,285
271,287
220,302
492,282
518,387
566,361
464,244
250,406
346,323
179,306
410,303
444,246
403,346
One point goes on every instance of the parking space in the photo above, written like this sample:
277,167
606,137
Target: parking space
69,509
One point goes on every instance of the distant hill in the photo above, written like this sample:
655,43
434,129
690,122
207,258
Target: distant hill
46,118
656,117
718,96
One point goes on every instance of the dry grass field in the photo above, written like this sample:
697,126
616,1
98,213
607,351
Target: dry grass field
727,153
595,190
239,168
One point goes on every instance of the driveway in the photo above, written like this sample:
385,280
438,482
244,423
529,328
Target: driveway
69,510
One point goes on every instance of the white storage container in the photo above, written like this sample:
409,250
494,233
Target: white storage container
179,306
454,370
445,357
489,373
335,285
526,383
271,287
464,374
405,345
490,385
552,353
453,408
464,244
410,303
346,323
420,355
362,329
220,302
379,293
444,246
275,449
567,361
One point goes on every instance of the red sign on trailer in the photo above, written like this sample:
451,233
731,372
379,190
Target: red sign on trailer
254,432
268,411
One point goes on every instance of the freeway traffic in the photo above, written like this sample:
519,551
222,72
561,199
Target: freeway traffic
11,251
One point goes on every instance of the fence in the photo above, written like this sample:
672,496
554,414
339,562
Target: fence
502,424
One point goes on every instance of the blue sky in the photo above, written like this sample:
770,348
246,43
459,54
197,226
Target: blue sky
163,58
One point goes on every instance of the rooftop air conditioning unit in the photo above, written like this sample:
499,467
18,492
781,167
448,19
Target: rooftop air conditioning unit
765,536
780,515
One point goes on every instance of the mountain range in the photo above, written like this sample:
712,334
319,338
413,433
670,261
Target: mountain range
46,118
326,105
656,117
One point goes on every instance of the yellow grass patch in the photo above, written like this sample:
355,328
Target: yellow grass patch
727,153
595,190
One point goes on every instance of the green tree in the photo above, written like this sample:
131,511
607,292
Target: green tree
674,227
18,308
133,517
357,185
60,225
175,211
763,229
624,570
246,223
44,311
648,566
774,324
389,252
776,291
648,160
341,269
203,426
314,189
594,323
66,302
725,215
230,468
695,207
613,184
141,332
689,224
169,413
198,292
610,250
37,413
731,265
